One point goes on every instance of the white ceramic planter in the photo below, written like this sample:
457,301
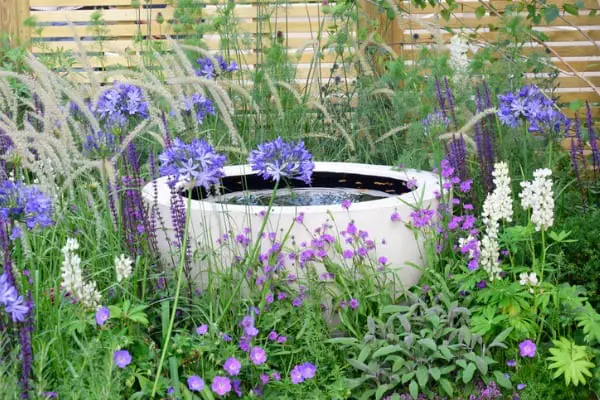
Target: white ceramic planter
210,220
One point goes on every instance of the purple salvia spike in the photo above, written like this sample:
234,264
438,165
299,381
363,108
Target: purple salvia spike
440,97
26,334
593,140
451,105
580,146
573,151
163,117
486,94
5,245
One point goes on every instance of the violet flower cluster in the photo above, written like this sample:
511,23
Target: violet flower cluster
14,304
119,105
19,202
196,164
100,145
278,159
198,106
435,120
207,68
531,105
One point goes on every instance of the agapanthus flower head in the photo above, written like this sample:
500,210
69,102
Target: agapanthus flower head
278,159
196,163
20,202
207,67
531,105
538,196
198,106
14,305
121,104
100,145
435,121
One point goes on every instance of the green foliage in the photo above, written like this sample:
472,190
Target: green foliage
570,360
422,348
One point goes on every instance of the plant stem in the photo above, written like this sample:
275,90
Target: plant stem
252,257
177,292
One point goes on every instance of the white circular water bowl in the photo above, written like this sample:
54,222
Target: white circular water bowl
211,220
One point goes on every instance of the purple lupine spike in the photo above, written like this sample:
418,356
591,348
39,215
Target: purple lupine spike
451,104
593,141
574,163
440,97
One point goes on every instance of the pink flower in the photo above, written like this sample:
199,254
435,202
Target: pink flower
353,304
527,348
348,253
202,329
232,366
258,356
346,204
221,385
195,383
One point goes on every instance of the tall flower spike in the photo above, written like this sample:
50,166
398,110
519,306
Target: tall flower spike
593,140
538,196
278,159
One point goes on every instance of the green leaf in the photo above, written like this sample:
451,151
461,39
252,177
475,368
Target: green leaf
570,360
342,340
446,14
446,352
361,366
384,351
398,364
392,309
502,381
381,389
429,343
435,373
593,13
422,376
468,372
479,12
413,388
364,353
571,9
551,13
499,340
407,377
447,387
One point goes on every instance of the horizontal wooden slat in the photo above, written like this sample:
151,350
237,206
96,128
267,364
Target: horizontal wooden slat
558,35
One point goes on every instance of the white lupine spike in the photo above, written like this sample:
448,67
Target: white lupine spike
72,276
123,266
538,196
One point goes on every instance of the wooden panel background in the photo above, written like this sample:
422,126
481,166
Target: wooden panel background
574,39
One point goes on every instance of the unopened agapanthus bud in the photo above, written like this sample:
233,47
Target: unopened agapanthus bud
160,18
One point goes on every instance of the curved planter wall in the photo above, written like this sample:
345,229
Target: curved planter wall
210,220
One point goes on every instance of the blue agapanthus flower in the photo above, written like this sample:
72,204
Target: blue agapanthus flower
119,105
199,106
529,104
207,68
196,163
100,145
435,119
278,159
14,304
19,202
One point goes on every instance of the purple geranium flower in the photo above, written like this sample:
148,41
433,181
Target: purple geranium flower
122,358
302,372
278,159
202,330
195,383
196,163
258,356
232,366
221,385
527,348
102,315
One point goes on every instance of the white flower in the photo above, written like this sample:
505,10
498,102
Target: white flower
123,267
490,253
458,58
538,196
530,279
498,204
72,276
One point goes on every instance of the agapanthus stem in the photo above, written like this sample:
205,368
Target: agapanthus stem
177,293
253,254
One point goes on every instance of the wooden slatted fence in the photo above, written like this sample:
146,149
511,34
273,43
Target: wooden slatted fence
574,40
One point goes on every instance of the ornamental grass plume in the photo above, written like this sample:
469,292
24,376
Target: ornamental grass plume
278,159
538,196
